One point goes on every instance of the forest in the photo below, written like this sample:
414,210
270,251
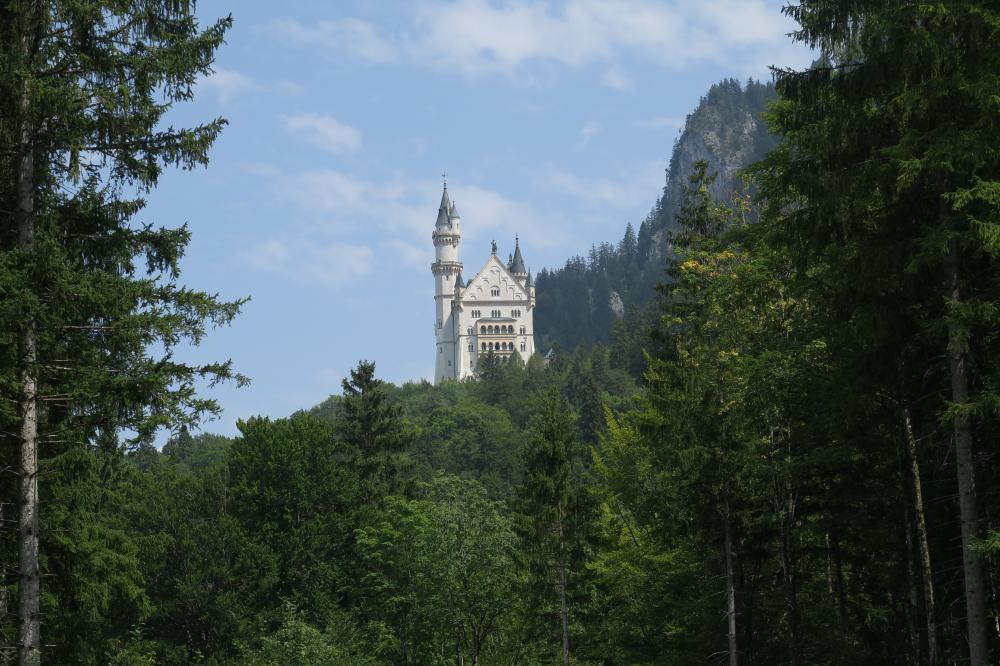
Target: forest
786,454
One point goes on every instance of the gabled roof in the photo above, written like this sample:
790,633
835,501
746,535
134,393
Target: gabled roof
494,260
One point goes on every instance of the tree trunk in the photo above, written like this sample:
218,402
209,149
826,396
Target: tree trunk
838,571
29,639
972,561
730,588
926,572
563,606
788,567
913,588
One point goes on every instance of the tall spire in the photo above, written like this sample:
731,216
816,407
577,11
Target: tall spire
444,211
517,263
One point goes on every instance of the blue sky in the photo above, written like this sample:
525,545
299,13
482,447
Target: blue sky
553,120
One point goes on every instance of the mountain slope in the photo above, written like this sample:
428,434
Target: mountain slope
580,303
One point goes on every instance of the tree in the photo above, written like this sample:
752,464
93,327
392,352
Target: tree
85,86
373,426
883,177
553,505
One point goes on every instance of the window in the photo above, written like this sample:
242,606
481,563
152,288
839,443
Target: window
496,346
522,330
469,331
476,314
495,291
449,363
472,347
515,313
484,346
523,347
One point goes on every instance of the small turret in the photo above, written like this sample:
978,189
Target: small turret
444,211
517,262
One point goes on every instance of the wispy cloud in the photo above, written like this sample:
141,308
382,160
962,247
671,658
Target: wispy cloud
587,132
352,36
332,203
324,131
329,264
477,36
228,84
668,123
614,78
637,187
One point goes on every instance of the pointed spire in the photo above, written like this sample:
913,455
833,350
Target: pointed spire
517,263
454,210
459,282
444,211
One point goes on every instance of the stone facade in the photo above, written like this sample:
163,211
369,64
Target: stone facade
491,312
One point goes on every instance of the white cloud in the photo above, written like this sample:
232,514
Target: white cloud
479,36
637,187
670,123
353,36
328,264
587,133
228,84
416,256
614,78
325,131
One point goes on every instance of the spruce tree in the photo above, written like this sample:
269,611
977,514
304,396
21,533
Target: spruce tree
90,288
886,176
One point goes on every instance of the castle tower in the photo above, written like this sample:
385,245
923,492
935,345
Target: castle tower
490,315
447,270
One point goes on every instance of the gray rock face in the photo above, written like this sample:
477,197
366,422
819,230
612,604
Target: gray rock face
727,130
616,304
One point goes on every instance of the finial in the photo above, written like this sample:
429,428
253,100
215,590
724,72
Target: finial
494,244
444,177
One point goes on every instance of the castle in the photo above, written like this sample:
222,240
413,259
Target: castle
492,312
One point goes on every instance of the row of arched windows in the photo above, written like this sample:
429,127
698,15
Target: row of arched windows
497,330
499,346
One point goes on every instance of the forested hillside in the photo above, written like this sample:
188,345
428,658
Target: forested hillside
579,303
788,459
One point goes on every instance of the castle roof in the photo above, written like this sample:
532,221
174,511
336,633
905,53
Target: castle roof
517,264
459,282
444,211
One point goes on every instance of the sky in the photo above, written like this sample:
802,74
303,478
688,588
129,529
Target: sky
552,120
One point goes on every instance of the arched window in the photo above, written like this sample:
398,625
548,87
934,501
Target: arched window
496,346
484,346
482,329
522,347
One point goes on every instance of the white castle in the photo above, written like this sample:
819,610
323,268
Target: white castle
492,312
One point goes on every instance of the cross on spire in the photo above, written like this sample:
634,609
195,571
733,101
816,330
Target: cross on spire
444,177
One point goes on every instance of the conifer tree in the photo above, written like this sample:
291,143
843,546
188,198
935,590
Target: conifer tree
372,425
552,502
84,86
886,178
